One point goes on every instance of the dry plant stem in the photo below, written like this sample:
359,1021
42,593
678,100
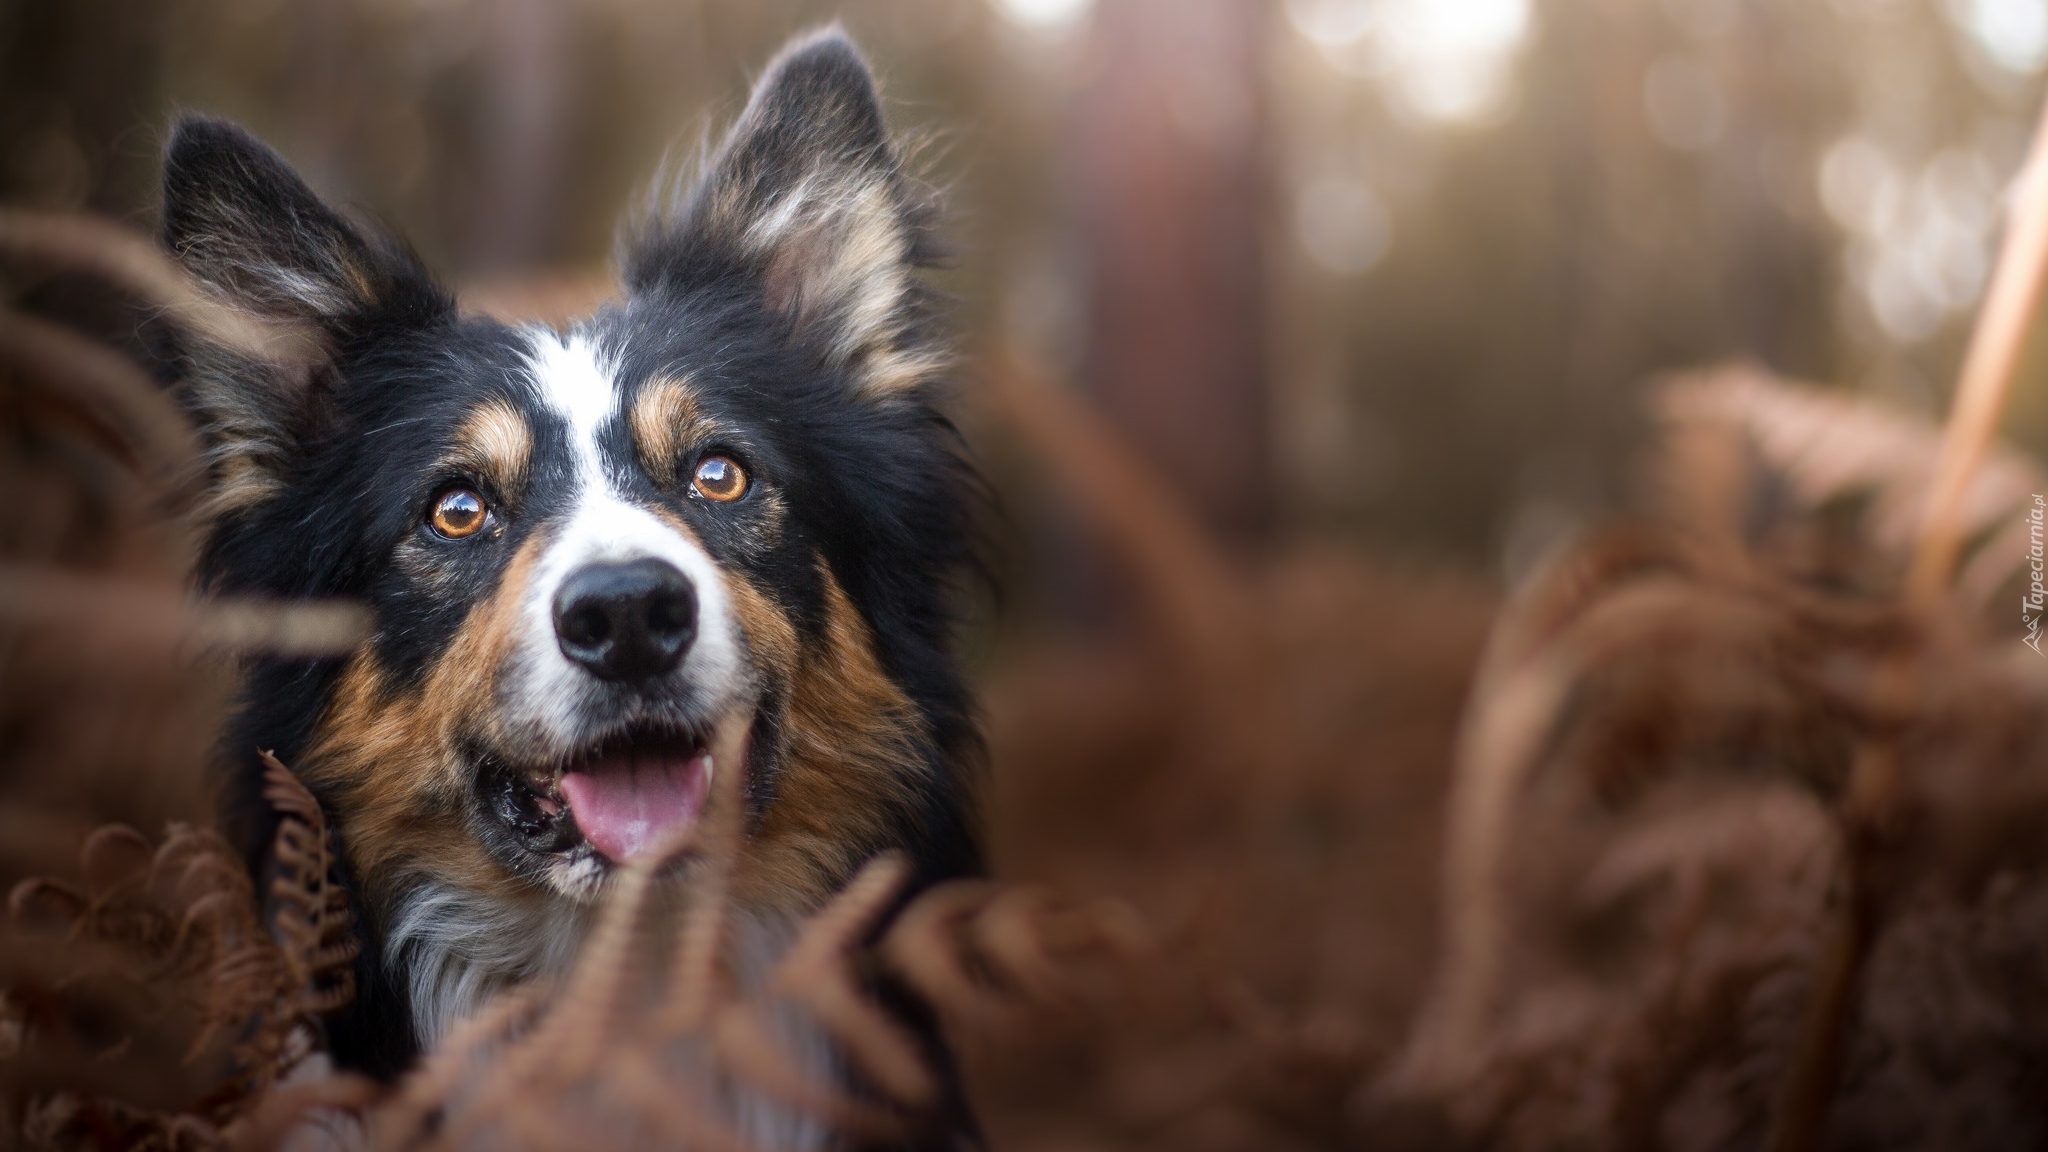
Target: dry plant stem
1203,603
679,1116
406,1120
566,1039
919,945
745,1045
1800,1124
1565,620
160,616
583,1016
814,973
1202,615
691,984
284,1110
1008,931
676,1113
1988,368
109,383
120,256
569,1040
1494,757
1800,1118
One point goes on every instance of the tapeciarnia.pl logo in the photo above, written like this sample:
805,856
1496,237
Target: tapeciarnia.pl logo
2037,595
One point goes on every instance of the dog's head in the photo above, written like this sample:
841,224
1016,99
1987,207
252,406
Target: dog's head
726,504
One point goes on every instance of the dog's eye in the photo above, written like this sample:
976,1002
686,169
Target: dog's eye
719,478
457,513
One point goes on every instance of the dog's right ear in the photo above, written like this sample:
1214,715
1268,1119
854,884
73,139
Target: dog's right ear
242,222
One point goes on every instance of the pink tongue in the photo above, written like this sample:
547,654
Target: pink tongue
626,805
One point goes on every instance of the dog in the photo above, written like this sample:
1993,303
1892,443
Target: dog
725,510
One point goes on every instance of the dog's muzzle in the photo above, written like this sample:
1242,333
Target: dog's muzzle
627,623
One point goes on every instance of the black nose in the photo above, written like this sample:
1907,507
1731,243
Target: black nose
626,621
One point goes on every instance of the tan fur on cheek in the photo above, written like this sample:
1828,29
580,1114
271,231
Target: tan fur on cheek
663,418
849,758
390,756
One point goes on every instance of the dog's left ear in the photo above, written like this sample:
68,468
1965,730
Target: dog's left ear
244,225
807,202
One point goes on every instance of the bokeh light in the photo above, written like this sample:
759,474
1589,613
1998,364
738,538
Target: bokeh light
1046,13
1438,61
2012,33
1921,234
1683,103
1342,225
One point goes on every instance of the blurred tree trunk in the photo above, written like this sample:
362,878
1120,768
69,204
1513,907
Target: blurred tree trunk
529,54
81,98
1169,158
76,78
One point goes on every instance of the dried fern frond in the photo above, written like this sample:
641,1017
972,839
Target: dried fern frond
152,925
123,615
181,926
1650,659
310,915
1073,1023
1731,625
653,1040
537,1065
119,256
148,427
1819,447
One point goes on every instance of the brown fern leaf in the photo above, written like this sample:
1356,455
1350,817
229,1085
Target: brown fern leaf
183,923
632,1051
140,980
1073,1023
175,928
310,911
1821,447
1655,807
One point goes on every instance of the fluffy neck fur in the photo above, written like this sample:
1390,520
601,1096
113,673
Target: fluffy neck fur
454,950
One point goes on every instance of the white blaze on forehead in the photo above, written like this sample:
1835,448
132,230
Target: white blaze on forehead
603,526
578,385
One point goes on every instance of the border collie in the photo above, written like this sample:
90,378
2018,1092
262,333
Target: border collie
727,504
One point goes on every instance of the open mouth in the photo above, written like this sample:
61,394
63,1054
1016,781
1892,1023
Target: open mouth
624,797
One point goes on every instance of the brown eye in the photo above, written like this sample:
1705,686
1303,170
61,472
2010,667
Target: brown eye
458,512
719,478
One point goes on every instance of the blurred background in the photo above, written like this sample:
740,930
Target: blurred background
1386,273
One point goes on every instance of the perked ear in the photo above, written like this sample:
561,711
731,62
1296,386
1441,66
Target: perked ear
807,198
241,221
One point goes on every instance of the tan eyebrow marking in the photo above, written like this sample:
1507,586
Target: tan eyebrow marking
662,418
497,442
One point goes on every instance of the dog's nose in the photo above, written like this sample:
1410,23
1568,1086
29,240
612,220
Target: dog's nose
626,621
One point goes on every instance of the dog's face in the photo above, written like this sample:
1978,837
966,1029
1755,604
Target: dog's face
724,506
